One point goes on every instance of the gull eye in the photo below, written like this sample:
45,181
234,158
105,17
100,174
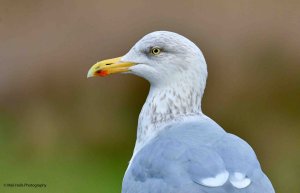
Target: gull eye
155,51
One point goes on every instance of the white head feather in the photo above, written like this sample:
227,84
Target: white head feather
177,76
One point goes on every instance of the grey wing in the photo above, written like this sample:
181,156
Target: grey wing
243,166
175,162
168,166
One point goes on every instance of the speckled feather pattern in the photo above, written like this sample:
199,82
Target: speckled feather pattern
166,106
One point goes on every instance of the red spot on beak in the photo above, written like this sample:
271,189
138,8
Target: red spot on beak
101,73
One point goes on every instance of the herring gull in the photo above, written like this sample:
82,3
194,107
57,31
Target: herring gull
179,149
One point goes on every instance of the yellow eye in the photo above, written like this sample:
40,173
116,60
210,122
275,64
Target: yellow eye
155,51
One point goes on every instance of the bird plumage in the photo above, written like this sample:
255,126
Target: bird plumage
188,157
179,149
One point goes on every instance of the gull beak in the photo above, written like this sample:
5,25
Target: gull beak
110,66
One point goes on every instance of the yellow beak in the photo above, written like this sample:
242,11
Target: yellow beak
110,66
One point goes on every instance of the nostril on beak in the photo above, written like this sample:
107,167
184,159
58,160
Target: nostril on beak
108,64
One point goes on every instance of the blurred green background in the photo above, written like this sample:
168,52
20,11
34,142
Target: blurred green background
77,135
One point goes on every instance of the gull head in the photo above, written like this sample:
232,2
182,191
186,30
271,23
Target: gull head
177,72
163,58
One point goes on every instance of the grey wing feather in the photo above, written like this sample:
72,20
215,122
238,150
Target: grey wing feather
179,159
170,167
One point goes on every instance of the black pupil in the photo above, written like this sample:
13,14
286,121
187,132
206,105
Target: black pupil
155,51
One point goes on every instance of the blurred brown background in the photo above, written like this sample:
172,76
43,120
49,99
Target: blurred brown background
77,135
